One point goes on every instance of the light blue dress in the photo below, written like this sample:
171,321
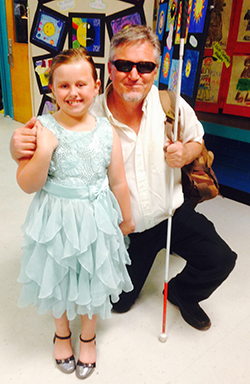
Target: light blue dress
74,257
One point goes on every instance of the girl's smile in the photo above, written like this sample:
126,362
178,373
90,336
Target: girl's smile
74,88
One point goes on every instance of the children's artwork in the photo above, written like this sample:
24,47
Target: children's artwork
210,79
195,37
189,72
120,20
49,29
238,98
173,77
244,23
87,30
166,65
157,77
171,15
198,15
42,67
218,27
161,20
224,84
178,28
47,106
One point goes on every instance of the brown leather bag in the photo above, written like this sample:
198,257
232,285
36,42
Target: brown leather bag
199,182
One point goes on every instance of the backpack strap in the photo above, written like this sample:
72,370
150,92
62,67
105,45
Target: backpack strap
168,102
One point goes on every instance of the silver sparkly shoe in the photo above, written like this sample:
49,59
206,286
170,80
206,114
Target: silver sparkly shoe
84,370
65,365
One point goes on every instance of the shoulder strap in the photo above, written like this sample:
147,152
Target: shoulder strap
168,102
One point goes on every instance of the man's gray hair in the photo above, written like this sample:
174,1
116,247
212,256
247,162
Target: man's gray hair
135,34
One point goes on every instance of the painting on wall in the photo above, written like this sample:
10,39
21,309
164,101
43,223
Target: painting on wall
49,29
42,66
120,20
47,105
87,30
238,97
224,81
168,31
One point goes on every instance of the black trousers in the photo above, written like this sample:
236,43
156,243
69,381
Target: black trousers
194,238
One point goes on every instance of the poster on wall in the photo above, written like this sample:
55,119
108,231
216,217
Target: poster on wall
119,20
168,31
238,97
223,83
87,30
47,105
49,29
42,66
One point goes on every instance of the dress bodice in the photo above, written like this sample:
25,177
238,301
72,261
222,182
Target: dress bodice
81,158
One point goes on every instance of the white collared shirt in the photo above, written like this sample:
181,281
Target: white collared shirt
147,173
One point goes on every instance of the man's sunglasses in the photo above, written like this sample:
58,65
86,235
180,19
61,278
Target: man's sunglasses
126,66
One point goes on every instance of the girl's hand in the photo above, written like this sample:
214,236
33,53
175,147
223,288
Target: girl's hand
45,138
127,227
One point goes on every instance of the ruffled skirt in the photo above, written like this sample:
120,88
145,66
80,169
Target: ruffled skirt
74,257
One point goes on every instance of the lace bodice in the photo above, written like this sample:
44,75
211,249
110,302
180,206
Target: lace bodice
81,158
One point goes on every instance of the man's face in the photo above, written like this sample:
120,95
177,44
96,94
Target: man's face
133,86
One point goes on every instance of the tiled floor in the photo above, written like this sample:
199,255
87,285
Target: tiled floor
127,345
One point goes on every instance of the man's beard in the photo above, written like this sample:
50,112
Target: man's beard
132,98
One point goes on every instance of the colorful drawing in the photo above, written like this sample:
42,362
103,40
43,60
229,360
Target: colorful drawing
198,15
173,77
157,77
178,27
87,30
120,20
244,25
49,29
205,80
166,64
189,72
239,88
161,20
47,106
172,12
42,66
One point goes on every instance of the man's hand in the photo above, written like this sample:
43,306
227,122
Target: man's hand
177,154
23,141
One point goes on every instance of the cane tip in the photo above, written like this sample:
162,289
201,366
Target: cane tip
163,337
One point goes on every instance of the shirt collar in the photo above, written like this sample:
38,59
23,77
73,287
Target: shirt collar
107,110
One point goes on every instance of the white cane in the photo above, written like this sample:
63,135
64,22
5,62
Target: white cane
184,13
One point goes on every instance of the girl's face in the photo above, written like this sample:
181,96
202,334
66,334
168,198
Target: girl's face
74,87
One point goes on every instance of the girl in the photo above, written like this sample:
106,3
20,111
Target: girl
73,251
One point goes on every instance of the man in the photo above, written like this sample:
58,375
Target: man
132,105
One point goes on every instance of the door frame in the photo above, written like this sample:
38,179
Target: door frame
4,65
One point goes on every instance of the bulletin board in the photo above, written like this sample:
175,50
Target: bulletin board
62,24
225,74
168,31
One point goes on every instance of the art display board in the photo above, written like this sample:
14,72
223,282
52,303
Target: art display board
225,74
168,31
62,24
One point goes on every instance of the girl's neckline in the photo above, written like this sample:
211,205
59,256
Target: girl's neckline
73,131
